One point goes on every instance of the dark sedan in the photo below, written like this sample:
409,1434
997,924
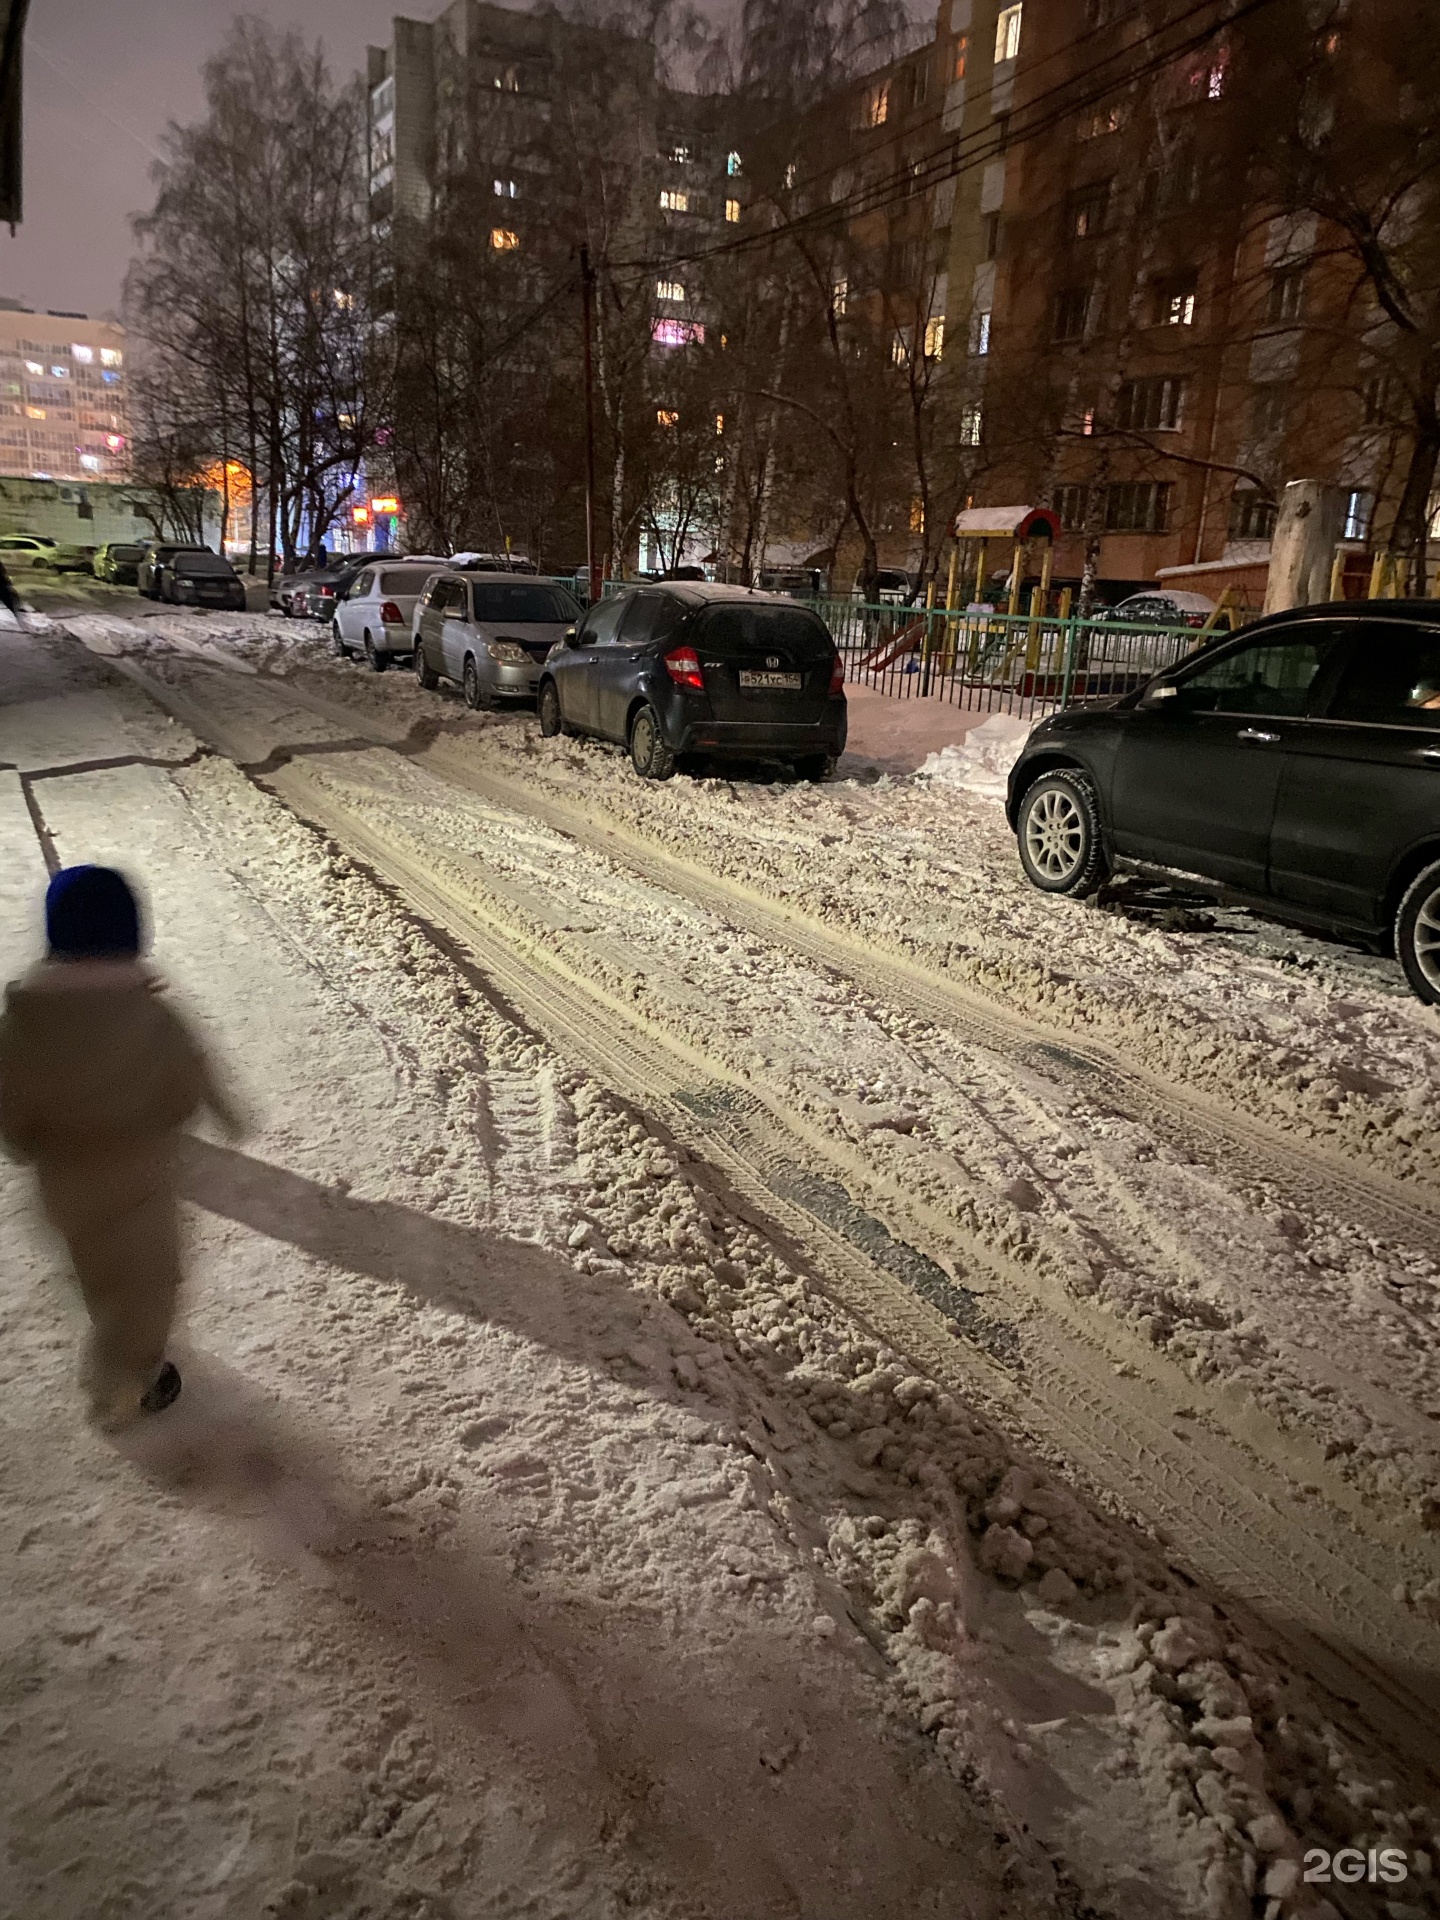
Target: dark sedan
1297,766
117,563
700,671
200,580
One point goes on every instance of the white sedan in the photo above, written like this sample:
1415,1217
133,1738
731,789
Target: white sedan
375,615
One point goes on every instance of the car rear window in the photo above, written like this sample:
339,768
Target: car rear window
522,602
206,563
126,553
405,579
745,629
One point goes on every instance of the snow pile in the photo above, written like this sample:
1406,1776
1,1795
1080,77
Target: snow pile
981,762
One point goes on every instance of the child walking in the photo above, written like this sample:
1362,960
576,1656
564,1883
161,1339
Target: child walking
98,1074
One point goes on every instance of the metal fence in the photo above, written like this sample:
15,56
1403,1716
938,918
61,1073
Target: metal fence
1020,663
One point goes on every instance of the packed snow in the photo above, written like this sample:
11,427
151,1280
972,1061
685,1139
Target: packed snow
577,1552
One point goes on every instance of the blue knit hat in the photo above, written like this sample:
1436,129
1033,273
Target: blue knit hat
90,912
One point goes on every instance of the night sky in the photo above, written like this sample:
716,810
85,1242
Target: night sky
101,81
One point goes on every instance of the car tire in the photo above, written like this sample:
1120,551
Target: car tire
1058,833
814,767
342,652
649,755
378,661
424,672
478,697
547,705
1417,935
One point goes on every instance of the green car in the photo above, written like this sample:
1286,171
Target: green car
117,563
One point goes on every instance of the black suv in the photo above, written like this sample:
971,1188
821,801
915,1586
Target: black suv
700,670
1296,764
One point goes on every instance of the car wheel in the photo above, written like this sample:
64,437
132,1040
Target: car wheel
1058,831
649,755
39,566
378,661
548,705
1417,934
424,672
814,766
477,695
342,652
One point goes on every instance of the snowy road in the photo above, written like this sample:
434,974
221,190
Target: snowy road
1240,1354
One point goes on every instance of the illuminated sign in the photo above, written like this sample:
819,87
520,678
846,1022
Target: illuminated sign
387,504
360,515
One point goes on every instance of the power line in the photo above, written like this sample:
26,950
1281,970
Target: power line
950,162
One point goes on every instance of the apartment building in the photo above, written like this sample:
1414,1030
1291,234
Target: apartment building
1161,358
62,396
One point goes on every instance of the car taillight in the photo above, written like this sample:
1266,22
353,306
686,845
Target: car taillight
326,593
391,615
837,676
683,666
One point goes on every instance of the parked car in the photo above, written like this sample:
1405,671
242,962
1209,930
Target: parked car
891,588
375,612
700,670
316,595
493,637
1296,765
154,554
117,562
1162,610
493,563
192,578
27,550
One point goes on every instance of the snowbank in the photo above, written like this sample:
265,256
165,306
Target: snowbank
981,762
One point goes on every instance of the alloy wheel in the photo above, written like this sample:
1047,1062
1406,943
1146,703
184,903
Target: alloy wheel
1427,938
1055,834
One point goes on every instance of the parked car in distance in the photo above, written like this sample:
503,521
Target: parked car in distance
27,550
117,562
703,671
154,554
192,578
375,612
1162,610
491,636
492,563
891,588
316,595
1295,765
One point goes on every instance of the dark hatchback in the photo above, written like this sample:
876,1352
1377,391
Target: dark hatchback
200,580
700,672
1297,765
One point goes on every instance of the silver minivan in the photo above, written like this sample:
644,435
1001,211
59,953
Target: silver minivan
377,613
490,633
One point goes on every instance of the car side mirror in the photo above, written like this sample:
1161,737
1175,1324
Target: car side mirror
571,636
1155,695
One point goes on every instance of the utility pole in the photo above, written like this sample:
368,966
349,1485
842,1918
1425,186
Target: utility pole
587,300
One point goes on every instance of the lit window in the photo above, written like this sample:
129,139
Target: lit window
1180,310
504,240
34,366
732,211
1358,509
344,301
732,164
1007,33
110,379
35,413
507,80
980,332
675,202
839,295
506,189
91,462
917,514
972,421
719,423
935,337
1087,422
84,354
59,373
680,154
678,333
666,418
111,356
900,348
790,175
962,56
669,290
875,106
115,441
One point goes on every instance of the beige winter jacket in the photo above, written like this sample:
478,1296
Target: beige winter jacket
94,1061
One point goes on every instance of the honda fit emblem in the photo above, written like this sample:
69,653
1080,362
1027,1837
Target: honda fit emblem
772,660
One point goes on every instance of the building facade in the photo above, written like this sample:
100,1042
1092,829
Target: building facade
62,396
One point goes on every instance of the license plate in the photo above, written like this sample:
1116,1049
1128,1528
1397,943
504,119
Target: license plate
788,682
